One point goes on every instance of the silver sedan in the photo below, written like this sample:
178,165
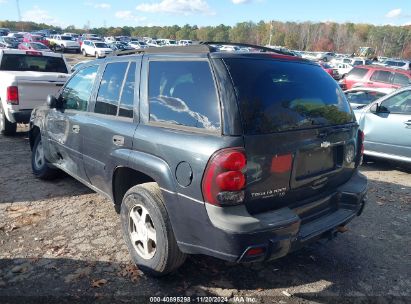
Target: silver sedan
387,126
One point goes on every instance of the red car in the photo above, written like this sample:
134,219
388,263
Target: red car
35,38
330,70
36,46
373,76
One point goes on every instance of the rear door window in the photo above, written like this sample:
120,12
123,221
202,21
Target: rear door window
183,93
357,73
381,76
277,96
110,88
127,96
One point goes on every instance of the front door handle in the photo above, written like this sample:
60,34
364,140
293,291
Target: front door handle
76,129
118,140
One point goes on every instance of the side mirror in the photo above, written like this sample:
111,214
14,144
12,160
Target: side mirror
51,101
374,108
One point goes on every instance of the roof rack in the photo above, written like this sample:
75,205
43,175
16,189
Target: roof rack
254,46
204,47
168,49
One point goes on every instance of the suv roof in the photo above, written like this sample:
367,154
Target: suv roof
210,47
383,68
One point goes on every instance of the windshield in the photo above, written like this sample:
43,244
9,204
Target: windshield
66,38
363,97
20,62
100,45
277,96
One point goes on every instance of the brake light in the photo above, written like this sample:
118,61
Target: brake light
255,251
281,163
34,53
224,178
13,95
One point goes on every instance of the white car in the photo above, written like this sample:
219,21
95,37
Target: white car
230,48
138,44
95,48
359,61
399,64
64,42
26,78
343,69
167,42
152,43
185,42
325,56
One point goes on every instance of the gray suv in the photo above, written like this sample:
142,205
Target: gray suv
241,156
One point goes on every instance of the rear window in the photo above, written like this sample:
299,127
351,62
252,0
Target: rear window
357,73
19,62
279,96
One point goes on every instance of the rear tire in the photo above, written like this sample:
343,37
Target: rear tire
144,204
97,56
39,164
7,128
84,53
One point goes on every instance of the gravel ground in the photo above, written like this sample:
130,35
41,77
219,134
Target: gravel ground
61,241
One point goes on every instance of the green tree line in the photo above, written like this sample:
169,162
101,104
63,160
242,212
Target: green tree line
392,41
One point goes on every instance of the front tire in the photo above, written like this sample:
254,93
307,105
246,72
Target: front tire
7,127
147,231
39,164
97,56
84,53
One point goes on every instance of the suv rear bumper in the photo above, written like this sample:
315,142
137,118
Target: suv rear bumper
233,231
19,116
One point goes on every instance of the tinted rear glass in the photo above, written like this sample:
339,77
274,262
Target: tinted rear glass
357,73
279,96
19,62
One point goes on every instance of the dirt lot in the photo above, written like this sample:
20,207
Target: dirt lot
61,241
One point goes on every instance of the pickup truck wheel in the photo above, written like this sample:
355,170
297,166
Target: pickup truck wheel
147,231
39,164
63,49
6,127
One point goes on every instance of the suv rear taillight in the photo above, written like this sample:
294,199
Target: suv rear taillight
13,95
224,178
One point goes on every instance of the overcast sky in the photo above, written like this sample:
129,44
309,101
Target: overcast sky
204,12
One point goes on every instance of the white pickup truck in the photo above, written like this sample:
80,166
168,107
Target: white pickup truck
26,78
64,43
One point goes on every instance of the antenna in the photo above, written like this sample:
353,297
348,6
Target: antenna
18,9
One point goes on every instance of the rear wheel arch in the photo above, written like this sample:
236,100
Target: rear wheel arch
124,178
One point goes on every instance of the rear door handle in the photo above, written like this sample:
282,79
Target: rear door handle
118,140
76,129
